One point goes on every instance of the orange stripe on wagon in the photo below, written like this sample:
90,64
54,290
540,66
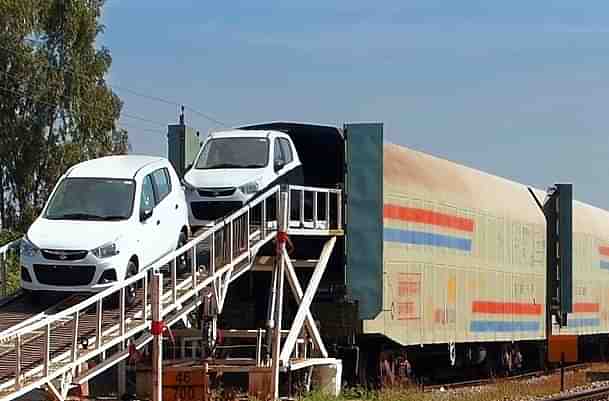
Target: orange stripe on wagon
584,307
502,308
423,216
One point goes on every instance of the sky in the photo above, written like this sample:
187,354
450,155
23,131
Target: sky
518,89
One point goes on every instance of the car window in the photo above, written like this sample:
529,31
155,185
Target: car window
92,199
147,199
287,149
278,152
234,152
162,182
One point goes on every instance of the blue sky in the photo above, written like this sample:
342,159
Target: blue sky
519,89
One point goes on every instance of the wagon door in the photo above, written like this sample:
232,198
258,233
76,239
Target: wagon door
364,215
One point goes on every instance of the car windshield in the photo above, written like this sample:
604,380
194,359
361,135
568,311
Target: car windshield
92,199
237,152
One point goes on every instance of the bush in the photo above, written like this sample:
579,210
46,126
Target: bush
12,263
7,236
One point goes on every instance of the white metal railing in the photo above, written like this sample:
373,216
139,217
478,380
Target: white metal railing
315,208
41,352
6,251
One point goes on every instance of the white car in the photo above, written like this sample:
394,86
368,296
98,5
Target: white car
233,167
105,220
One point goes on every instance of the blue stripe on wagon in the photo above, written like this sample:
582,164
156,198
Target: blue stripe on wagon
604,265
425,238
503,326
583,322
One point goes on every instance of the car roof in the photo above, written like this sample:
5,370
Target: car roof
117,166
242,133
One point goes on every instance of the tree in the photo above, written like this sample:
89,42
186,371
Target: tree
56,108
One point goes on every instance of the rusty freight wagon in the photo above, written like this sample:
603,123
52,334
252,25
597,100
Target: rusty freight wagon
441,265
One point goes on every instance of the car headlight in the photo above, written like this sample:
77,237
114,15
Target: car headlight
249,188
28,248
106,250
188,186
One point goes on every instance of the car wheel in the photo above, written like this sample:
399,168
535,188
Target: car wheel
182,261
33,297
131,290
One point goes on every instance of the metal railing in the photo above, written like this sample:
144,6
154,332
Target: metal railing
7,252
55,347
315,208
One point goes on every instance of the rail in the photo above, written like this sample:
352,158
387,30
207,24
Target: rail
53,350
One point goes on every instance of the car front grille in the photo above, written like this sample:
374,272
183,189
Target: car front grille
210,211
52,254
64,275
214,192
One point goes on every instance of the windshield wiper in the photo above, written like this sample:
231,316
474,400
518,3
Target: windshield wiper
253,166
76,216
222,165
114,217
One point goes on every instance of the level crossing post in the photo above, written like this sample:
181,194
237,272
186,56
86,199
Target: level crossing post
157,332
280,273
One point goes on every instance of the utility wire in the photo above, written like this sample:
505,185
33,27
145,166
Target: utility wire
133,116
136,93
128,115
167,101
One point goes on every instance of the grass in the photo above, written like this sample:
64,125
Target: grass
502,390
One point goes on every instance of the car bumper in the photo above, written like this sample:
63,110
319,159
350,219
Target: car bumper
84,275
205,211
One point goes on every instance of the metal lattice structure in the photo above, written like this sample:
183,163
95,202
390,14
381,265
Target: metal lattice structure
51,348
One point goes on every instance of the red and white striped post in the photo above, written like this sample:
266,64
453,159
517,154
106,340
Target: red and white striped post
280,266
157,341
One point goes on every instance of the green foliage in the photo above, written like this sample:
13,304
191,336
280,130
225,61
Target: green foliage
13,275
55,106
7,236
12,262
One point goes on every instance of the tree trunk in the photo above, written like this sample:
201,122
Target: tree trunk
2,209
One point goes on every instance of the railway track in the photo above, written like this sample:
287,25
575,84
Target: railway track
523,376
586,395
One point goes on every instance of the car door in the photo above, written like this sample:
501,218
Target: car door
168,234
150,226
292,173
278,157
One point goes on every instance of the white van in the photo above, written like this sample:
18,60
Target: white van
105,219
233,167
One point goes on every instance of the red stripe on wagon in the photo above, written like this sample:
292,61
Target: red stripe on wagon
423,216
506,308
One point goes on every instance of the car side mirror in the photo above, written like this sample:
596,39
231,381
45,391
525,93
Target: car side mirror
278,165
145,214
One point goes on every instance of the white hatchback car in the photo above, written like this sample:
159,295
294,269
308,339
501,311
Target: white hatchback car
235,166
105,219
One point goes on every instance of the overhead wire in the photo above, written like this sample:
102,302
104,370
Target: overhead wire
133,92
122,114
88,114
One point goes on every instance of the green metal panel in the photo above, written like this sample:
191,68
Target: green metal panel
182,147
175,147
364,216
191,146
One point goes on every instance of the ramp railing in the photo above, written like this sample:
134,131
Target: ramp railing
101,330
